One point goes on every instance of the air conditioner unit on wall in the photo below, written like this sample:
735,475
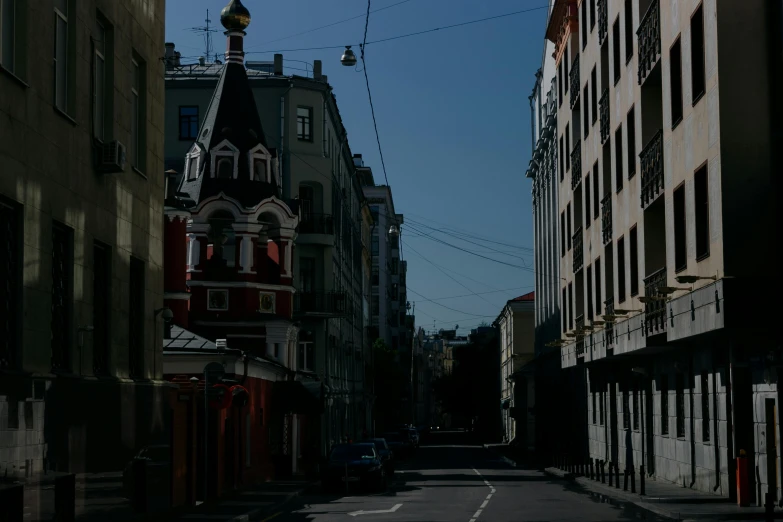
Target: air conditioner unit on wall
111,157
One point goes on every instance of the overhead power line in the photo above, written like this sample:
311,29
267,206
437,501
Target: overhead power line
407,35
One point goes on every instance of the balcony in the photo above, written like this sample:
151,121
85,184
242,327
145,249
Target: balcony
580,337
606,219
655,307
322,304
609,327
576,165
603,110
651,159
603,21
649,34
316,224
578,250
574,85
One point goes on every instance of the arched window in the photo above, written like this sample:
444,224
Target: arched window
222,239
193,167
225,168
259,170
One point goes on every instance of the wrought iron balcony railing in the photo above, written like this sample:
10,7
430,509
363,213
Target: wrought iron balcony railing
580,337
576,165
606,219
649,34
574,82
316,224
603,21
655,307
609,326
326,304
651,160
603,110
578,250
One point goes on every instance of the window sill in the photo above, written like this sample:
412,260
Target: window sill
140,173
676,123
680,269
64,115
617,80
702,257
14,77
620,189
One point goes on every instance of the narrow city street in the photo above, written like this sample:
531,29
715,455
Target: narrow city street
450,481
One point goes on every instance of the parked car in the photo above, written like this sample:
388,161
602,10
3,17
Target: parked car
385,452
354,464
412,435
401,446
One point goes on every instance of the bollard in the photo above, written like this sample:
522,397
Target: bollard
603,472
12,500
65,498
617,475
625,479
590,464
633,481
641,480
611,475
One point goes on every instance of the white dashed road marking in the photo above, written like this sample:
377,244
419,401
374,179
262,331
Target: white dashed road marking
483,504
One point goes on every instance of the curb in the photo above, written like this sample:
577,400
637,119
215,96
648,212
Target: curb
258,513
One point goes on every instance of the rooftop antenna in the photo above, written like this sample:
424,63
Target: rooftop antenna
206,31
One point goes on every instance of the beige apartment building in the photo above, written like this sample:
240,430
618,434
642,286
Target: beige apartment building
301,120
81,211
667,127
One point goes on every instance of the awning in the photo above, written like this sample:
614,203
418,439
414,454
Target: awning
301,397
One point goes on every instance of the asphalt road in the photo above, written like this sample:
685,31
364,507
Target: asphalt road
452,482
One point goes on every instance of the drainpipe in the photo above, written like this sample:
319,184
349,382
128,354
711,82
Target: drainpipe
692,423
716,442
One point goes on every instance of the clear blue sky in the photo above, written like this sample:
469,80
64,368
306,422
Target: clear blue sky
454,122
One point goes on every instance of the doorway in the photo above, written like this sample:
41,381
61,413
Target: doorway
743,423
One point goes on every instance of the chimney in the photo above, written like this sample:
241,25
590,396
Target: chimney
358,161
317,70
278,70
202,61
169,54
177,56
324,78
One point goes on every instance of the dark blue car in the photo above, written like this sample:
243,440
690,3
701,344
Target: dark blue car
354,466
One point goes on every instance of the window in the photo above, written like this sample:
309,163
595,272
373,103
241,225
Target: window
597,265
675,65
565,69
304,123
101,307
587,200
618,158
62,296
621,269
136,318
29,418
307,356
635,407
562,159
589,293
601,399
595,410
594,96
634,246
10,281
374,247
193,164
705,407
560,83
306,275
564,310
570,306
680,245
562,235
702,213
225,168
628,31
13,414
568,147
626,411
680,396
138,113
697,55
664,404
631,130
583,16
568,226
188,122
616,49
61,52
259,170
395,266
592,15
101,80
596,193
8,34
585,113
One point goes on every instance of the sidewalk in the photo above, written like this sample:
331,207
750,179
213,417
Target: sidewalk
661,498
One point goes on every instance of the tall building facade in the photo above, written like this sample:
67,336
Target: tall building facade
665,180
302,122
81,227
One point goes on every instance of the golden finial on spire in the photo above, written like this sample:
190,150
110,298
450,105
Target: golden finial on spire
235,16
